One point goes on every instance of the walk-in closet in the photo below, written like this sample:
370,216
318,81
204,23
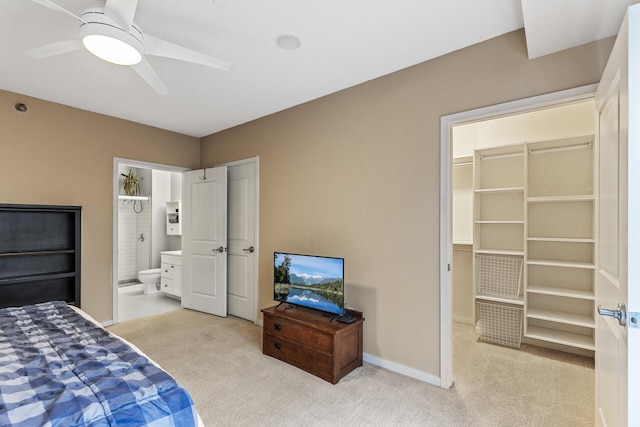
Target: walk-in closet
523,228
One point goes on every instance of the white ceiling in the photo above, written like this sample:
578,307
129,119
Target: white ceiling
343,43
554,25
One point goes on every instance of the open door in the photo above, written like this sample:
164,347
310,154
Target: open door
242,238
204,240
618,228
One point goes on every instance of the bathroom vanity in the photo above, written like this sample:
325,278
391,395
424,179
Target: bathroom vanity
171,273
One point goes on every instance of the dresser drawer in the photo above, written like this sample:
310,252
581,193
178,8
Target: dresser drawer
309,359
298,333
168,270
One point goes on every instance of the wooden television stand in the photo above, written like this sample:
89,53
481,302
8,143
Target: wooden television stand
311,341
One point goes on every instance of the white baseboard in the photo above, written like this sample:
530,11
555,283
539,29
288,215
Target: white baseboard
394,367
402,369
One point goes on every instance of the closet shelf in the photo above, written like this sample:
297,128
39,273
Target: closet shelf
560,292
122,197
515,301
561,337
499,222
460,164
462,160
499,252
554,263
561,317
500,190
561,239
561,199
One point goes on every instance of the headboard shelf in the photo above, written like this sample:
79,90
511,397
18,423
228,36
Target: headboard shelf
32,253
34,277
39,254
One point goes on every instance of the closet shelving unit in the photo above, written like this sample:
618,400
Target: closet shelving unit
499,204
535,202
560,261
498,243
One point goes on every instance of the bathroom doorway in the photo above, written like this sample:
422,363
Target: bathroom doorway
244,245
141,193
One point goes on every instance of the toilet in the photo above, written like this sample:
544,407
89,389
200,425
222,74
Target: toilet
151,279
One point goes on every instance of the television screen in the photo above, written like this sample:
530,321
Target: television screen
309,281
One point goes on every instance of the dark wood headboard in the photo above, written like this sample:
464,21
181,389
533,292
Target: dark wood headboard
39,254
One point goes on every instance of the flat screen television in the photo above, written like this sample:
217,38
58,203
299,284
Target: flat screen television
311,281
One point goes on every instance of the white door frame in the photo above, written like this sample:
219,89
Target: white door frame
256,258
117,162
446,236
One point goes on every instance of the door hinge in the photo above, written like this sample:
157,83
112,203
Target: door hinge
634,319
448,267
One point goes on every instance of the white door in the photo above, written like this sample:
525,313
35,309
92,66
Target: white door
617,390
241,281
204,240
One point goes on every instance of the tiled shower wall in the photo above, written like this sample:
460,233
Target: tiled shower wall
133,252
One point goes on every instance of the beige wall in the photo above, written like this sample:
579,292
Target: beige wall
356,174
54,154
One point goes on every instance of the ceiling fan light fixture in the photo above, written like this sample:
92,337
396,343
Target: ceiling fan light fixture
104,38
112,50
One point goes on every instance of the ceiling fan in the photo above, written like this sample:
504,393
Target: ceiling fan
110,34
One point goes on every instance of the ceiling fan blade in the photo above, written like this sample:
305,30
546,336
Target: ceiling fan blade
51,5
149,75
54,49
121,11
158,47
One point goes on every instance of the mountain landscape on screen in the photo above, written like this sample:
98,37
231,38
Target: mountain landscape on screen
305,279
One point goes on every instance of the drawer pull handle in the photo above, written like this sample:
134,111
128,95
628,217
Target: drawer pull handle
277,326
277,345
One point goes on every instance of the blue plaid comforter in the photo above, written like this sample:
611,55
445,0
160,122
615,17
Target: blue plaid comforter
59,369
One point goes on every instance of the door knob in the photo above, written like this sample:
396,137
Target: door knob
220,249
250,249
620,313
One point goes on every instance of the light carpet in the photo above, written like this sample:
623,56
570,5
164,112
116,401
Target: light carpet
220,361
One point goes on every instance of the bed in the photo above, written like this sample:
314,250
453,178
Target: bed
58,367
